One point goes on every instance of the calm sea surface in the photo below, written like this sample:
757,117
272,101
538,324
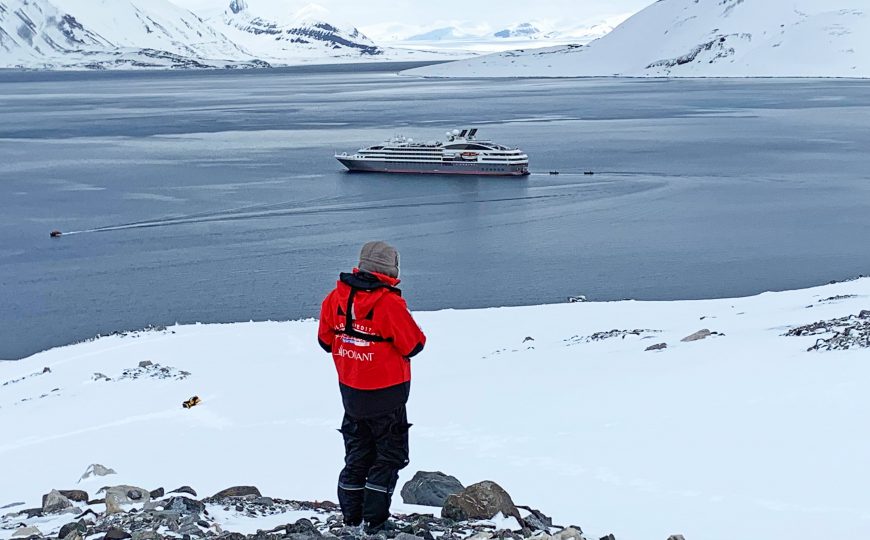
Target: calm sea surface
215,196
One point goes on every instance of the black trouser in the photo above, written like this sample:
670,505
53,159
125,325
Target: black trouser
375,449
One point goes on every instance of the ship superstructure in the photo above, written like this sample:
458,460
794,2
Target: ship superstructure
462,153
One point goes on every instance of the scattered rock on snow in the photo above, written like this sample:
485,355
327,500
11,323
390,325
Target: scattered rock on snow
127,494
479,501
54,502
96,470
657,347
608,537
237,491
157,493
697,336
430,488
185,489
536,520
848,332
145,363
115,533
27,532
74,526
676,537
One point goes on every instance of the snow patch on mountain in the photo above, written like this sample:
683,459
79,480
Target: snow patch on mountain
703,38
110,33
271,31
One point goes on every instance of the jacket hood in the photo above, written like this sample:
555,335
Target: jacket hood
375,286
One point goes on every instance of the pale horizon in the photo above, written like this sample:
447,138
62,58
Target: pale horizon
385,19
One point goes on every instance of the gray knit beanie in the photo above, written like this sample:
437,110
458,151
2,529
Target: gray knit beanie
379,257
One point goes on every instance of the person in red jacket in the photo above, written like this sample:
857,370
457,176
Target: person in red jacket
366,325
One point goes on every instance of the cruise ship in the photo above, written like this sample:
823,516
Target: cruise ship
462,153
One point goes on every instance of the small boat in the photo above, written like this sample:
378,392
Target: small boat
56,234
554,173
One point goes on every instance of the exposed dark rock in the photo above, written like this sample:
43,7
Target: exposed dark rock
146,535
75,495
157,493
303,528
54,502
479,501
145,363
657,347
115,533
237,491
676,537
185,505
185,489
430,488
96,501
74,526
536,520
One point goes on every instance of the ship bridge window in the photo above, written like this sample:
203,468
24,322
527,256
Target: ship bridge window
466,147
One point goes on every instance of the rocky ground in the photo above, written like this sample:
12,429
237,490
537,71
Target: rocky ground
483,511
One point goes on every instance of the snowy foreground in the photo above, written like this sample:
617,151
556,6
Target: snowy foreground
744,434
707,38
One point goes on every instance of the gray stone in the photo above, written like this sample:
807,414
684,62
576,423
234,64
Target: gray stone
865,314
115,533
97,470
479,501
406,536
54,502
113,504
238,491
157,493
185,505
75,495
146,535
264,501
569,533
536,520
608,537
676,537
697,336
127,494
657,347
303,527
430,488
26,532
185,489
74,526
145,363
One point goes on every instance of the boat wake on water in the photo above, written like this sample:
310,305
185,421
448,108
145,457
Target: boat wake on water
292,209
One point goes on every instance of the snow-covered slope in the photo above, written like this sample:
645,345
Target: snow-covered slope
270,30
704,38
110,33
743,434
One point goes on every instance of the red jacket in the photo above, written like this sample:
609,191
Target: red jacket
371,350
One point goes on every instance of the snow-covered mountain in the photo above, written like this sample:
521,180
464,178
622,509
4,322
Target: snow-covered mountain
705,38
110,34
270,30
526,30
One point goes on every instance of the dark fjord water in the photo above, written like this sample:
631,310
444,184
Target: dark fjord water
702,189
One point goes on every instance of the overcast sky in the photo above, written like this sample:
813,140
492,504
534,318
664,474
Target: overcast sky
491,13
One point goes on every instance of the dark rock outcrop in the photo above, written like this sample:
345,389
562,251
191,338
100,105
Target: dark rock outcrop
237,491
479,501
430,488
